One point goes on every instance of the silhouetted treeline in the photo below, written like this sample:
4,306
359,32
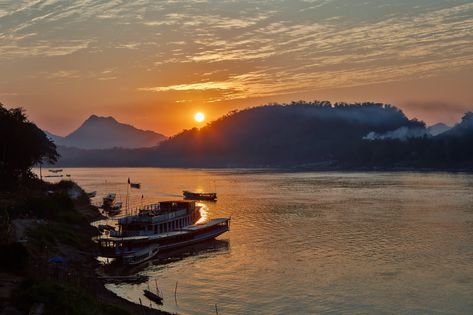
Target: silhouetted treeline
450,150
317,135
115,157
22,145
282,135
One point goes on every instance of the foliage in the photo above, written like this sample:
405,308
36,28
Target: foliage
281,135
303,135
22,145
450,150
57,206
53,233
61,299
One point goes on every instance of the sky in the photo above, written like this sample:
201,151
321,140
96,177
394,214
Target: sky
154,64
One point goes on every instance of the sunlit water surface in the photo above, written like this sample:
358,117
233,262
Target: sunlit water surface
311,243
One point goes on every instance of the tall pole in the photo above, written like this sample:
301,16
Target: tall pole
127,197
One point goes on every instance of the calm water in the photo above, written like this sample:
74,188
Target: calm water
311,243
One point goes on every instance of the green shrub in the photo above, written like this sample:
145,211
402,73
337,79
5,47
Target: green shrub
50,234
57,206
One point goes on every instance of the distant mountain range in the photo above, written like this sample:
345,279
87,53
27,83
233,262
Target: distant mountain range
317,135
104,133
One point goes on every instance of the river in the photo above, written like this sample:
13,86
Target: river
310,243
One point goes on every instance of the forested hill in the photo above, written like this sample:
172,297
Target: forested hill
315,135
282,135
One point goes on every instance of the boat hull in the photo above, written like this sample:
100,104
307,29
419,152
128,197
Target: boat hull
199,196
134,250
196,239
141,255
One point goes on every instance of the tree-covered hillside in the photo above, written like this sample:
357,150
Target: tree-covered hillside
282,135
315,135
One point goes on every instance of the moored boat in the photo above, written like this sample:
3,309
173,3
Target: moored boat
199,195
135,185
140,255
153,296
91,194
115,208
167,225
109,200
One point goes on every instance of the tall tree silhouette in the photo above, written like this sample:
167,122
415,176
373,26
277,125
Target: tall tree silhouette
22,145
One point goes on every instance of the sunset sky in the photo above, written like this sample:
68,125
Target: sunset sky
154,64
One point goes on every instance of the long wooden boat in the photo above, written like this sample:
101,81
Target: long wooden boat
167,225
199,195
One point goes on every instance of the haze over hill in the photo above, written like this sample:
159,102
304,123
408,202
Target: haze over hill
464,128
438,128
310,135
274,135
283,135
105,132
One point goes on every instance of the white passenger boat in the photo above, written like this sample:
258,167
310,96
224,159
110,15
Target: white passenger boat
162,226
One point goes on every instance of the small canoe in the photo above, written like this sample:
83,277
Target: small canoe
153,297
199,196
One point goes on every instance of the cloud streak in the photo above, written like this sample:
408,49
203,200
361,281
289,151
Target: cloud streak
233,50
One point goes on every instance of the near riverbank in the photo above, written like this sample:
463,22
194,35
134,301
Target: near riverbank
49,260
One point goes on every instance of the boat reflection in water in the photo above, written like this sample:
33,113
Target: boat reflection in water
201,250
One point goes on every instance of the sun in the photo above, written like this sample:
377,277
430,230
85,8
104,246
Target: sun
199,117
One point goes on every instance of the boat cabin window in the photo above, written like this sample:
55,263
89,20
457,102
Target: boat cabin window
169,206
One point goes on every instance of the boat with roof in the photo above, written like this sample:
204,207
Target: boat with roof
158,227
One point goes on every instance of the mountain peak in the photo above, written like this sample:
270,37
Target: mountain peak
95,118
98,132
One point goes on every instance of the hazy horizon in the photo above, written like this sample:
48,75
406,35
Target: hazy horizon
154,64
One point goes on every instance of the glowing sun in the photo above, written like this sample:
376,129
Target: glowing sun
199,117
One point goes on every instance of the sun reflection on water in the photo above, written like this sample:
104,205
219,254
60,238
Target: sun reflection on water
204,213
